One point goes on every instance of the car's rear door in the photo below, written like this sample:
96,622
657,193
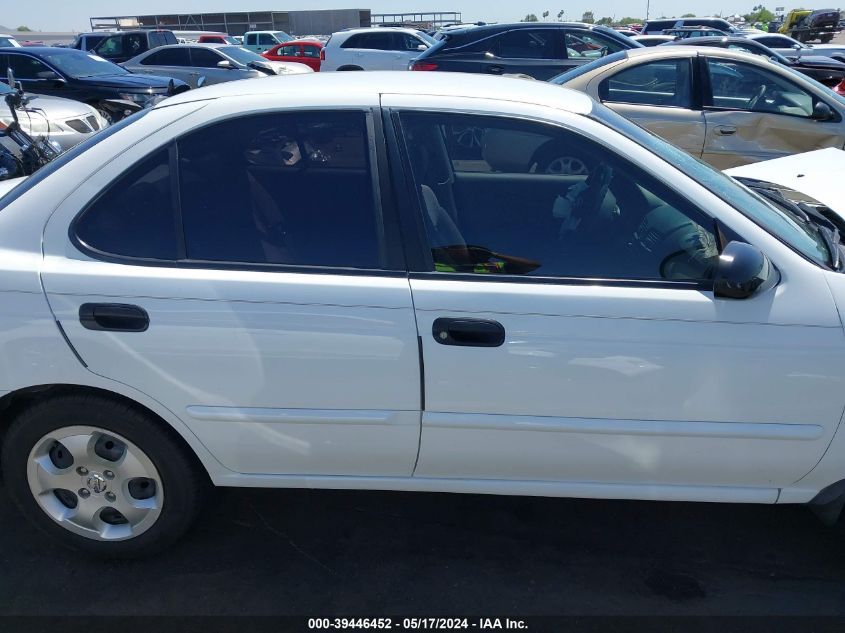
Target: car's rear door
660,95
537,52
753,114
569,330
248,276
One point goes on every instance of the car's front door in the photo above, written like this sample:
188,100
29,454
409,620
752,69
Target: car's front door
275,318
659,96
754,114
204,62
570,332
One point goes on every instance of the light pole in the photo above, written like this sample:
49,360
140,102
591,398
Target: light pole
647,3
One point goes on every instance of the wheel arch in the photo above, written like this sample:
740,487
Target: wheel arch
15,402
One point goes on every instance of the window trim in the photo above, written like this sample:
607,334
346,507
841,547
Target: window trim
387,223
418,251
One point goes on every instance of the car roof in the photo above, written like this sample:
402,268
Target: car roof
506,26
361,88
59,50
377,29
671,51
305,41
727,39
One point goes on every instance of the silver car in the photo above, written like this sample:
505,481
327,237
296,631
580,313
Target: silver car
216,63
63,121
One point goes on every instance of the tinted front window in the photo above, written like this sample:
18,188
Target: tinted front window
585,45
265,39
280,189
240,55
660,83
507,197
134,217
168,57
527,44
26,67
204,58
311,51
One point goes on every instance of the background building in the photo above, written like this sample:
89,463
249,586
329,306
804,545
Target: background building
322,22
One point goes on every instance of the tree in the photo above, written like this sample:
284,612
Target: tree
759,13
627,21
530,18
545,14
688,15
605,21
24,29
560,15
588,17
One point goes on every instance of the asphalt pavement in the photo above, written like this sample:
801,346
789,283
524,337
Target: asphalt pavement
318,553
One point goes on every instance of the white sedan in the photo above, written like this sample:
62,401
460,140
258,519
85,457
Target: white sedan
325,281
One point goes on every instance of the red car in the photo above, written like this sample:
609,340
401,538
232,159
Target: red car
302,51
840,88
218,39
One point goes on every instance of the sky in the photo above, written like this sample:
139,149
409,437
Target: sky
67,15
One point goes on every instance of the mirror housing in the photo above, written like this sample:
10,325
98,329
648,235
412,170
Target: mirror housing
49,75
743,270
225,63
822,111
422,47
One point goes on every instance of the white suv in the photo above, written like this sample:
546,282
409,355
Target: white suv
374,49
317,281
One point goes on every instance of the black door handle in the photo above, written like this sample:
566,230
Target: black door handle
468,332
113,317
496,70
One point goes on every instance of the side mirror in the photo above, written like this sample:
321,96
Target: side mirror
49,75
822,111
422,47
797,47
742,271
226,64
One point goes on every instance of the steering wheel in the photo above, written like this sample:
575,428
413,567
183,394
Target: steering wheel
586,205
755,100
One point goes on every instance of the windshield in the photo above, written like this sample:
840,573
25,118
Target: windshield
83,64
427,38
282,36
586,68
241,55
776,221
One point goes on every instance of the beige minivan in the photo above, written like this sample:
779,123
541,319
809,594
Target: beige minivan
725,107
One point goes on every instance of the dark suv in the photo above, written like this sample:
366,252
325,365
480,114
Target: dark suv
529,48
125,45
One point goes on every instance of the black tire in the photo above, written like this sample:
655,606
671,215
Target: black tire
183,482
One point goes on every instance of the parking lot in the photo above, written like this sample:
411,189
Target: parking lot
276,552
323,553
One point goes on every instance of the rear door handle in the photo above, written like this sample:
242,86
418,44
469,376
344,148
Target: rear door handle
496,70
725,130
468,332
113,317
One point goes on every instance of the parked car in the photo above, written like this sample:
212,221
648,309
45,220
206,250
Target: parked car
539,50
306,52
656,27
125,45
65,122
685,32
628,32
727,108
8,40
67,72
840,88
176,314
653,40
793,48
260,41
383,48
218,39
88,41
823,69
805,25
215,63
